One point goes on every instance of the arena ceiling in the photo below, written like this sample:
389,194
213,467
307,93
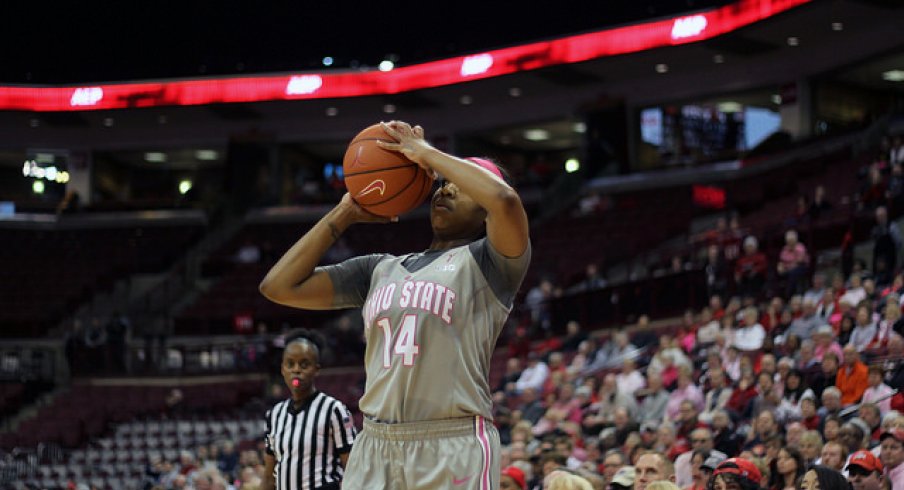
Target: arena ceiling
853,41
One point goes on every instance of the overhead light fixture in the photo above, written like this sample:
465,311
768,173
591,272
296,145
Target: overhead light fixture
327,61
579,127
718,59
662,68
34,122
536,135
386,65
184,186
466,100
515,92
108,122
206,155
37,187
162,119
893,75
332,111
155,157
389,108
729,107
793,41
837,26
776,99
572,165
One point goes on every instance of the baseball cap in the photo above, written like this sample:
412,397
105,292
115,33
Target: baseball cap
624,476
740,467
896,432
517,475
866,460
712,462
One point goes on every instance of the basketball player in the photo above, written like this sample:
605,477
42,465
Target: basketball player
309,436
431,321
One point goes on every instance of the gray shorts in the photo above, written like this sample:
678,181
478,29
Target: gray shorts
454,454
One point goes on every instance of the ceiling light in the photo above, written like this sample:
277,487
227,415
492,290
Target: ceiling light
386,65
327,61
37,186
893,75
579,127
718,59
729,107
536,135
662,68
162,119
515,92
184,186
793,41
776,99
572,165
466,100
332,111
155,157
206,155
389,108
108,122
837,26
34,122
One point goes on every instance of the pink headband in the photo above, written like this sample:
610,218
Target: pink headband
483,162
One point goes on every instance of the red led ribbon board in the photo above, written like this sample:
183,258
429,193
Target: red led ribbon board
573,49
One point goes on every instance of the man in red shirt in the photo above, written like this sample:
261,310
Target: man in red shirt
852,377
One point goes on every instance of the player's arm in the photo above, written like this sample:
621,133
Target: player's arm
269,467
507,224
293,280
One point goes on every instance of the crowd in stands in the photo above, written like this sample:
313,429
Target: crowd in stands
789,367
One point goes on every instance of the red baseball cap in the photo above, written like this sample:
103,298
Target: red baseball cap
740,467
896,432
866,460
517,475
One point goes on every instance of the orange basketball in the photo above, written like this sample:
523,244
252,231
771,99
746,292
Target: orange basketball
381,181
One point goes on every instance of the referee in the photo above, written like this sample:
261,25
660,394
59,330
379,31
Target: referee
309,435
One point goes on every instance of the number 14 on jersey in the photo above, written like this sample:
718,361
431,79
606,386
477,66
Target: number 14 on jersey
405,343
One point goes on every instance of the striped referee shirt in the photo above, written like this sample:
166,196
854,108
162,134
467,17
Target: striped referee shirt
307,442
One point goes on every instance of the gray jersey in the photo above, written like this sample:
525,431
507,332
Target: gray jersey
431,322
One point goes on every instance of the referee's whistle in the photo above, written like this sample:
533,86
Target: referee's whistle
295,382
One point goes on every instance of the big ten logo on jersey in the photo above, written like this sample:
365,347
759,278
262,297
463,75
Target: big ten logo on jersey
432,298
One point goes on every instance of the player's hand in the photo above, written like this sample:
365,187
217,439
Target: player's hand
361,215
410,142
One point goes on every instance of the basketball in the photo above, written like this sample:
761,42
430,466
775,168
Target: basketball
381,181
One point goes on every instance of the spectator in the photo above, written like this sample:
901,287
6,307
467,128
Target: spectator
650,467
831,403
686,390
612,354
725,440
702,445
751,334
804,326
512,479
592,280
653,406
808,412
833,455
852,377
736,473
629,380
574,336
870,413
718,394
538,301
787,469
892,456
864,331
531,406
716,270
865,471
810,446
825,344
750,269
533,376
793,263
854,293
877,392
887,242
820,206
613,461
822,478
854,435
